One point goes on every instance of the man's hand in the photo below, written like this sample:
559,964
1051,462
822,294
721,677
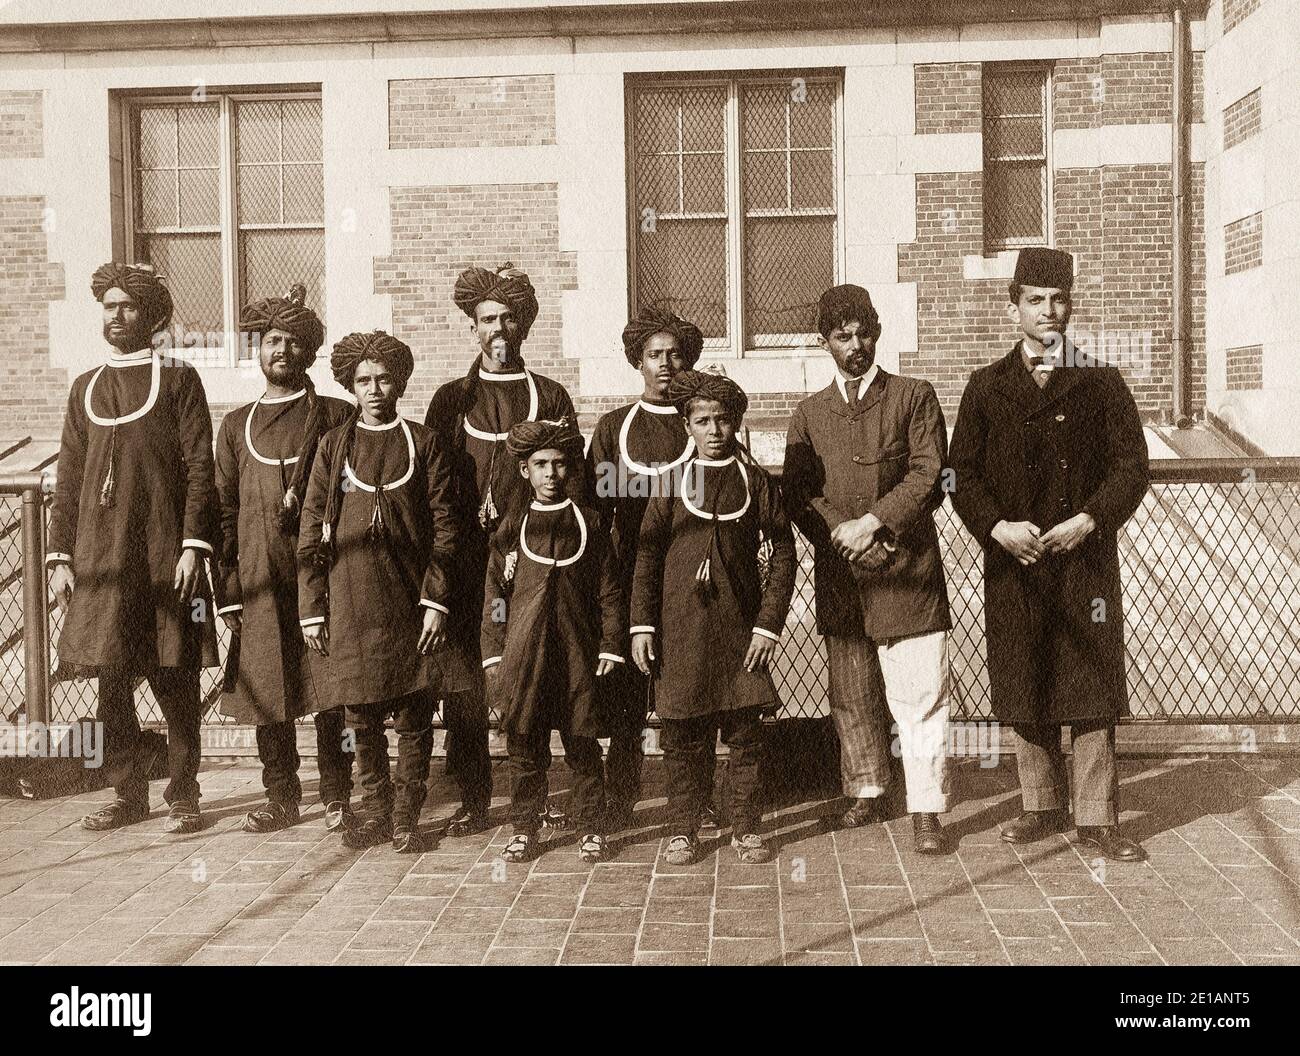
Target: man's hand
186,580
63,582
760,652
605,666
1020,539
317,637
433,631
853,538
875,558
234,620
643,650
1069,534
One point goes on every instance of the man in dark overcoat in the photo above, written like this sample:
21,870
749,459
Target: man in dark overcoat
1050,461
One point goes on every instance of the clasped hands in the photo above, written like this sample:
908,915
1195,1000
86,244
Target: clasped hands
1027,543
856,541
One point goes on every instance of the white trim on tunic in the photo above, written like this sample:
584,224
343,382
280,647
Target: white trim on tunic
527,376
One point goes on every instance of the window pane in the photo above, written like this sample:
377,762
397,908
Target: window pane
656,184
704,119
157,144
704,183
812,121
789,261
191,264
1008,91
304,194
302,130
1013,137
157,199
272,261
199,200
764,121
764,178
257,132
259,194
656,121
812,180
682,266
199,135
1013,202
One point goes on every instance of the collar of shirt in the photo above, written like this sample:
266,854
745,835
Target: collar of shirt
1045,362
864,382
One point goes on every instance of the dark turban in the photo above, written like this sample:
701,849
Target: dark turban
377,346
507,285
288,314
526,438
847,304
144,285
651,321
1051,269
690,385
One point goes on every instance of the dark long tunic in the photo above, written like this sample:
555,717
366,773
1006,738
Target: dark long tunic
1055,629
279,678
703,636
125,615
635,453
559,619
374,593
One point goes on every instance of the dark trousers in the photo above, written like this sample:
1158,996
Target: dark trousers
413,721
624,761
1044,781
465,717
530,759
277,748
690,747
177,691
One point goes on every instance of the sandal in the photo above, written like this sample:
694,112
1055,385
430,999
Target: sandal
338,815
521,847
467,821
183,817
593,848
554,820
682,850
272,816
369,833
114,815
407,839
751,849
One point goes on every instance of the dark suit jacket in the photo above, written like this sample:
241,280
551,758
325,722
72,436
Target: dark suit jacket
885,459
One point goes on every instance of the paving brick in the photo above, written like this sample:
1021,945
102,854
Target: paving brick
748,951
894,951
599,949
524,932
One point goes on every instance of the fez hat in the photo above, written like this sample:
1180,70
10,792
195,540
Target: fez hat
1051,269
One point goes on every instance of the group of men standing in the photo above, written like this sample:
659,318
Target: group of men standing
351,548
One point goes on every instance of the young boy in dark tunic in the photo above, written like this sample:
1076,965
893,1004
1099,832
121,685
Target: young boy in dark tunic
377,539
634,452
698,589
130,528
264,455
551,626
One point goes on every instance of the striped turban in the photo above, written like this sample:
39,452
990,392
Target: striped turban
378,347
688,385
527,438
288,314
507,285
144,286
651,321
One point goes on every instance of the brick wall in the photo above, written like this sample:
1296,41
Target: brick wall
439,231
948,97
32,394
1127,89
1078,92
1246,367
1241,120
1243,244
21,124
471,112
1234,11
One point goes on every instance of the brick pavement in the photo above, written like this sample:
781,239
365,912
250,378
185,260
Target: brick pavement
1222,886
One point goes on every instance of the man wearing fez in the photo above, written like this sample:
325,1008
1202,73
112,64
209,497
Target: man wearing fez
264,455
1050,461
130,528
375,550
472,416
634,452
863,460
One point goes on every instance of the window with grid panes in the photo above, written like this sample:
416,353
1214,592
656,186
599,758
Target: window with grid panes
734,198
227,203
1016,175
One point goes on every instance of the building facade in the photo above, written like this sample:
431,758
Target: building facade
729,159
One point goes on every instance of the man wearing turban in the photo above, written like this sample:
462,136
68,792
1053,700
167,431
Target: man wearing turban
1050,461
473,415
375,554
130,529
634,452
264,455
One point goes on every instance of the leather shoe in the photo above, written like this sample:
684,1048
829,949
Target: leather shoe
1108,840
1035,825
863,812
927,834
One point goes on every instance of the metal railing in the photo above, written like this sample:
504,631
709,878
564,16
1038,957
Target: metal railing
1210,564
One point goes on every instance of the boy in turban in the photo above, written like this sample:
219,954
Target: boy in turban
375,549
130,529
264,455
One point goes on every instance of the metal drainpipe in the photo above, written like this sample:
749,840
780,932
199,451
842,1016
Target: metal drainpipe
1179,241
